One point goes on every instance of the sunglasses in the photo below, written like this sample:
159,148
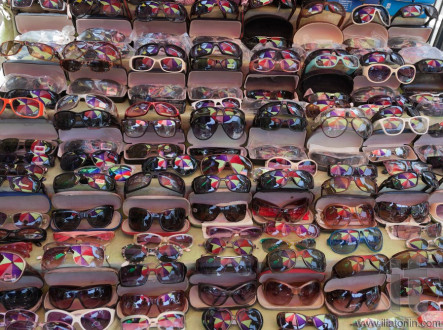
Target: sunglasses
140,304
233,212
375,111
269,151
347,301
25,320
242,294
161,108
210,64
379,73
23,107
98,318
117,172
45,96
153,49
293,211
108,87
23,298
396,125
417,258
170,181
339,184
229,9
436,129
135,253
267,123
199,153
184,241
182,165
271,109
383,154
147,11
349,170
68,220
241,246
204,184
21,248
49,6
84,255
277,42
23,169
37,50
135,128
336,126
382,57
397,213
93,237
216,265
93,102
166,273
23,183
345,241
281,293
62,297
277,179
349,63
398,166
425,306
429,66
221,318
166,64
170,220
339,215
419,243
416,287
34,235
207,48
219,92
272,244
269,59
282,260
366,14
297,321
82,8
426,97
284,229
11,145
407,231
205,121
248,232
95,181
215,164
317,7
263,94
72,160
166,320
353,265
307,165
226,102
417,10
408,180
65,120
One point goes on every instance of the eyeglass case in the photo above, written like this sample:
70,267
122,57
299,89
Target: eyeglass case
158,26
81,277
280,138
326,80
271,83
122,25
24,129
383,141
25,22
299,276
114,89
414,33
319,33
367,31
269,25
357,283
283,198
404,198
426,140
85,200
216,79
394,285
155,203
221,198
117,74
140,161
197,303
348,200
434,199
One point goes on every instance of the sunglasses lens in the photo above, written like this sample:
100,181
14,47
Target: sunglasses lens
427,306
344,241
140,322
71,65
168,252
26,107
271,244
100,66
13,267
406,74
418,243
133,275
99,319
172,64
243,246
379,73
215,245
134,253
135,304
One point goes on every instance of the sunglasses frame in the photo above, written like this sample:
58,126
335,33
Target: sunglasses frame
361,238
77,315
153,322
378,9
381,122
393,70
155,61
41,107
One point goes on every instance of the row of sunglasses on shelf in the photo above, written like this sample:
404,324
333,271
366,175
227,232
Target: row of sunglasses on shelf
176,11
89,306
226,55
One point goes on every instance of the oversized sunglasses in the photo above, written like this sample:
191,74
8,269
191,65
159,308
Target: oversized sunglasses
215,164
215,265
182,165
249,232
70,160
419,243
270,151
242,294
184,241
23,183
278,42
317,7
283,229
165,128
263,94
160,10
210,64
396,212
352,265
153,49
379,73
166,64
350,63
207,48
241,246
135,253
98,318
293,211
62,297
271,244
417,259
307,165
336,126
95,181
140,304
277,179
283,260
425,285
348,301
338,215
33,235
170,181
84,255
339,184
398,166
348,170
345,241
415,11
210,183
65,120
11,145
269,123
57,5
281,293
221,318
282,107
23,298
23,169
139,109
426,97
382,57
228,8
267,64
233,212
382,154
117,172
82,8
166,273
297,321
68,220
24,220
411,230
35,49
23,107
170,220
13,267
365,14
409,180
141,151
46,96
94,102
167,320
226,102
